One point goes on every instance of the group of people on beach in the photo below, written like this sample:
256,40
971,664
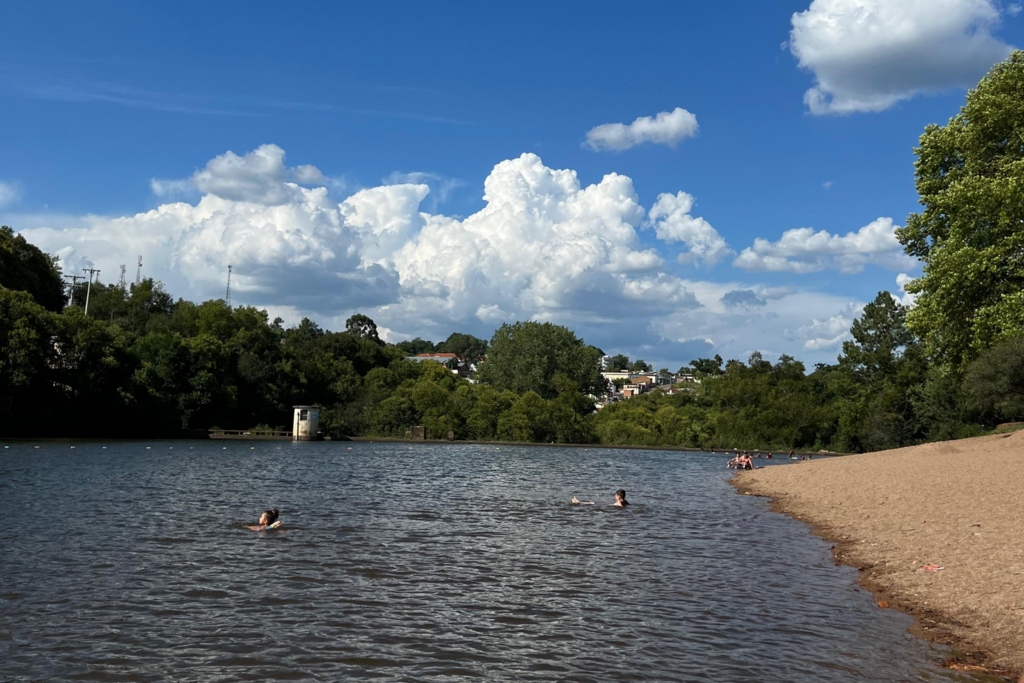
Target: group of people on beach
270,517
744,462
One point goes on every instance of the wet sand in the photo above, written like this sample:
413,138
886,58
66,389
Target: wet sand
958,505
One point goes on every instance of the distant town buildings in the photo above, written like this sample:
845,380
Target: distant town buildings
623,384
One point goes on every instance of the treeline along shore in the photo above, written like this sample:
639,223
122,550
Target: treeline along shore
949,365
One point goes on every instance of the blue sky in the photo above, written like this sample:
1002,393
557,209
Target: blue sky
99,100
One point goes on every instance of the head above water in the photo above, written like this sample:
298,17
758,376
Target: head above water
268,517
620,494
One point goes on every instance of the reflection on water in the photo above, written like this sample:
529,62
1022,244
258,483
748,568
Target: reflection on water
419,563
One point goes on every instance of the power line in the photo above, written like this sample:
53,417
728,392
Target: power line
88,290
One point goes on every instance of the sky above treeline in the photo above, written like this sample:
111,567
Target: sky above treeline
670,180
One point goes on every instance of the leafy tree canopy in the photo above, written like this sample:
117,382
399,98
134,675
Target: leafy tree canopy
24,267
620,363
639,366
526,356
706,367
464,346
970,235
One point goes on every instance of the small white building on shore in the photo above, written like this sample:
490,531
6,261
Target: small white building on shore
306,423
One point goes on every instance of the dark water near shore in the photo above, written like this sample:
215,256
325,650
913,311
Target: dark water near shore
402,563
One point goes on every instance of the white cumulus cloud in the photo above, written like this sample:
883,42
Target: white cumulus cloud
666,128
670,217
825,334
260,176
542,247
867,55
907,299
803,250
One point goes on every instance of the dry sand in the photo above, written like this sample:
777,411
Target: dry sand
955,504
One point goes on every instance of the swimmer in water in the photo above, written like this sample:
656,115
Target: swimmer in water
620,500
266,519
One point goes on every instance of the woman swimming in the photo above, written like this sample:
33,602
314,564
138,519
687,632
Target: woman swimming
620,500
266,519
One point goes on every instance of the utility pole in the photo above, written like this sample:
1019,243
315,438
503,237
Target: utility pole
88,289
228,296
121,283
138,273
74,281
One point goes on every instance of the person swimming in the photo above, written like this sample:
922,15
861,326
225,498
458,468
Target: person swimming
266,519
620,500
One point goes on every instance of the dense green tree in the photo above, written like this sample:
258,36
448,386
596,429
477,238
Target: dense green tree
970,235
526,356
465,346
996,380
619,363
639,365
362,327
24,267
706,367
880,338
25,354
416,346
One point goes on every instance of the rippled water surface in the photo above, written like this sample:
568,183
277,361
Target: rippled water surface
401,562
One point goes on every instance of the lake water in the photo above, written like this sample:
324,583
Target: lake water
419,563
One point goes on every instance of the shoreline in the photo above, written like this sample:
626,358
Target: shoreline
781,455
890,514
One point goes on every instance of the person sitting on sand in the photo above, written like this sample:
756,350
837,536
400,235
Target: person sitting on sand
266,519
745,462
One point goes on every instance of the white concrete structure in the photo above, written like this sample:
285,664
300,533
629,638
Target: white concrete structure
306,423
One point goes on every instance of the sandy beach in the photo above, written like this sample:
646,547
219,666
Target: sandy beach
936,531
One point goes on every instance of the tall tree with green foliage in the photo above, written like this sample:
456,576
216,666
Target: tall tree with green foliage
876,371
464,346
996,379
26,268
970,235
526,356
25,354
619,363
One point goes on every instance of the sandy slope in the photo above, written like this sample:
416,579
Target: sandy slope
955,504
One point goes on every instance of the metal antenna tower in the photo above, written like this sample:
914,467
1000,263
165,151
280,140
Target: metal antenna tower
88,290
138,273
121,283
71,289
228,296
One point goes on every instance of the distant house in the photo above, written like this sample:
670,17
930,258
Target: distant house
612,375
